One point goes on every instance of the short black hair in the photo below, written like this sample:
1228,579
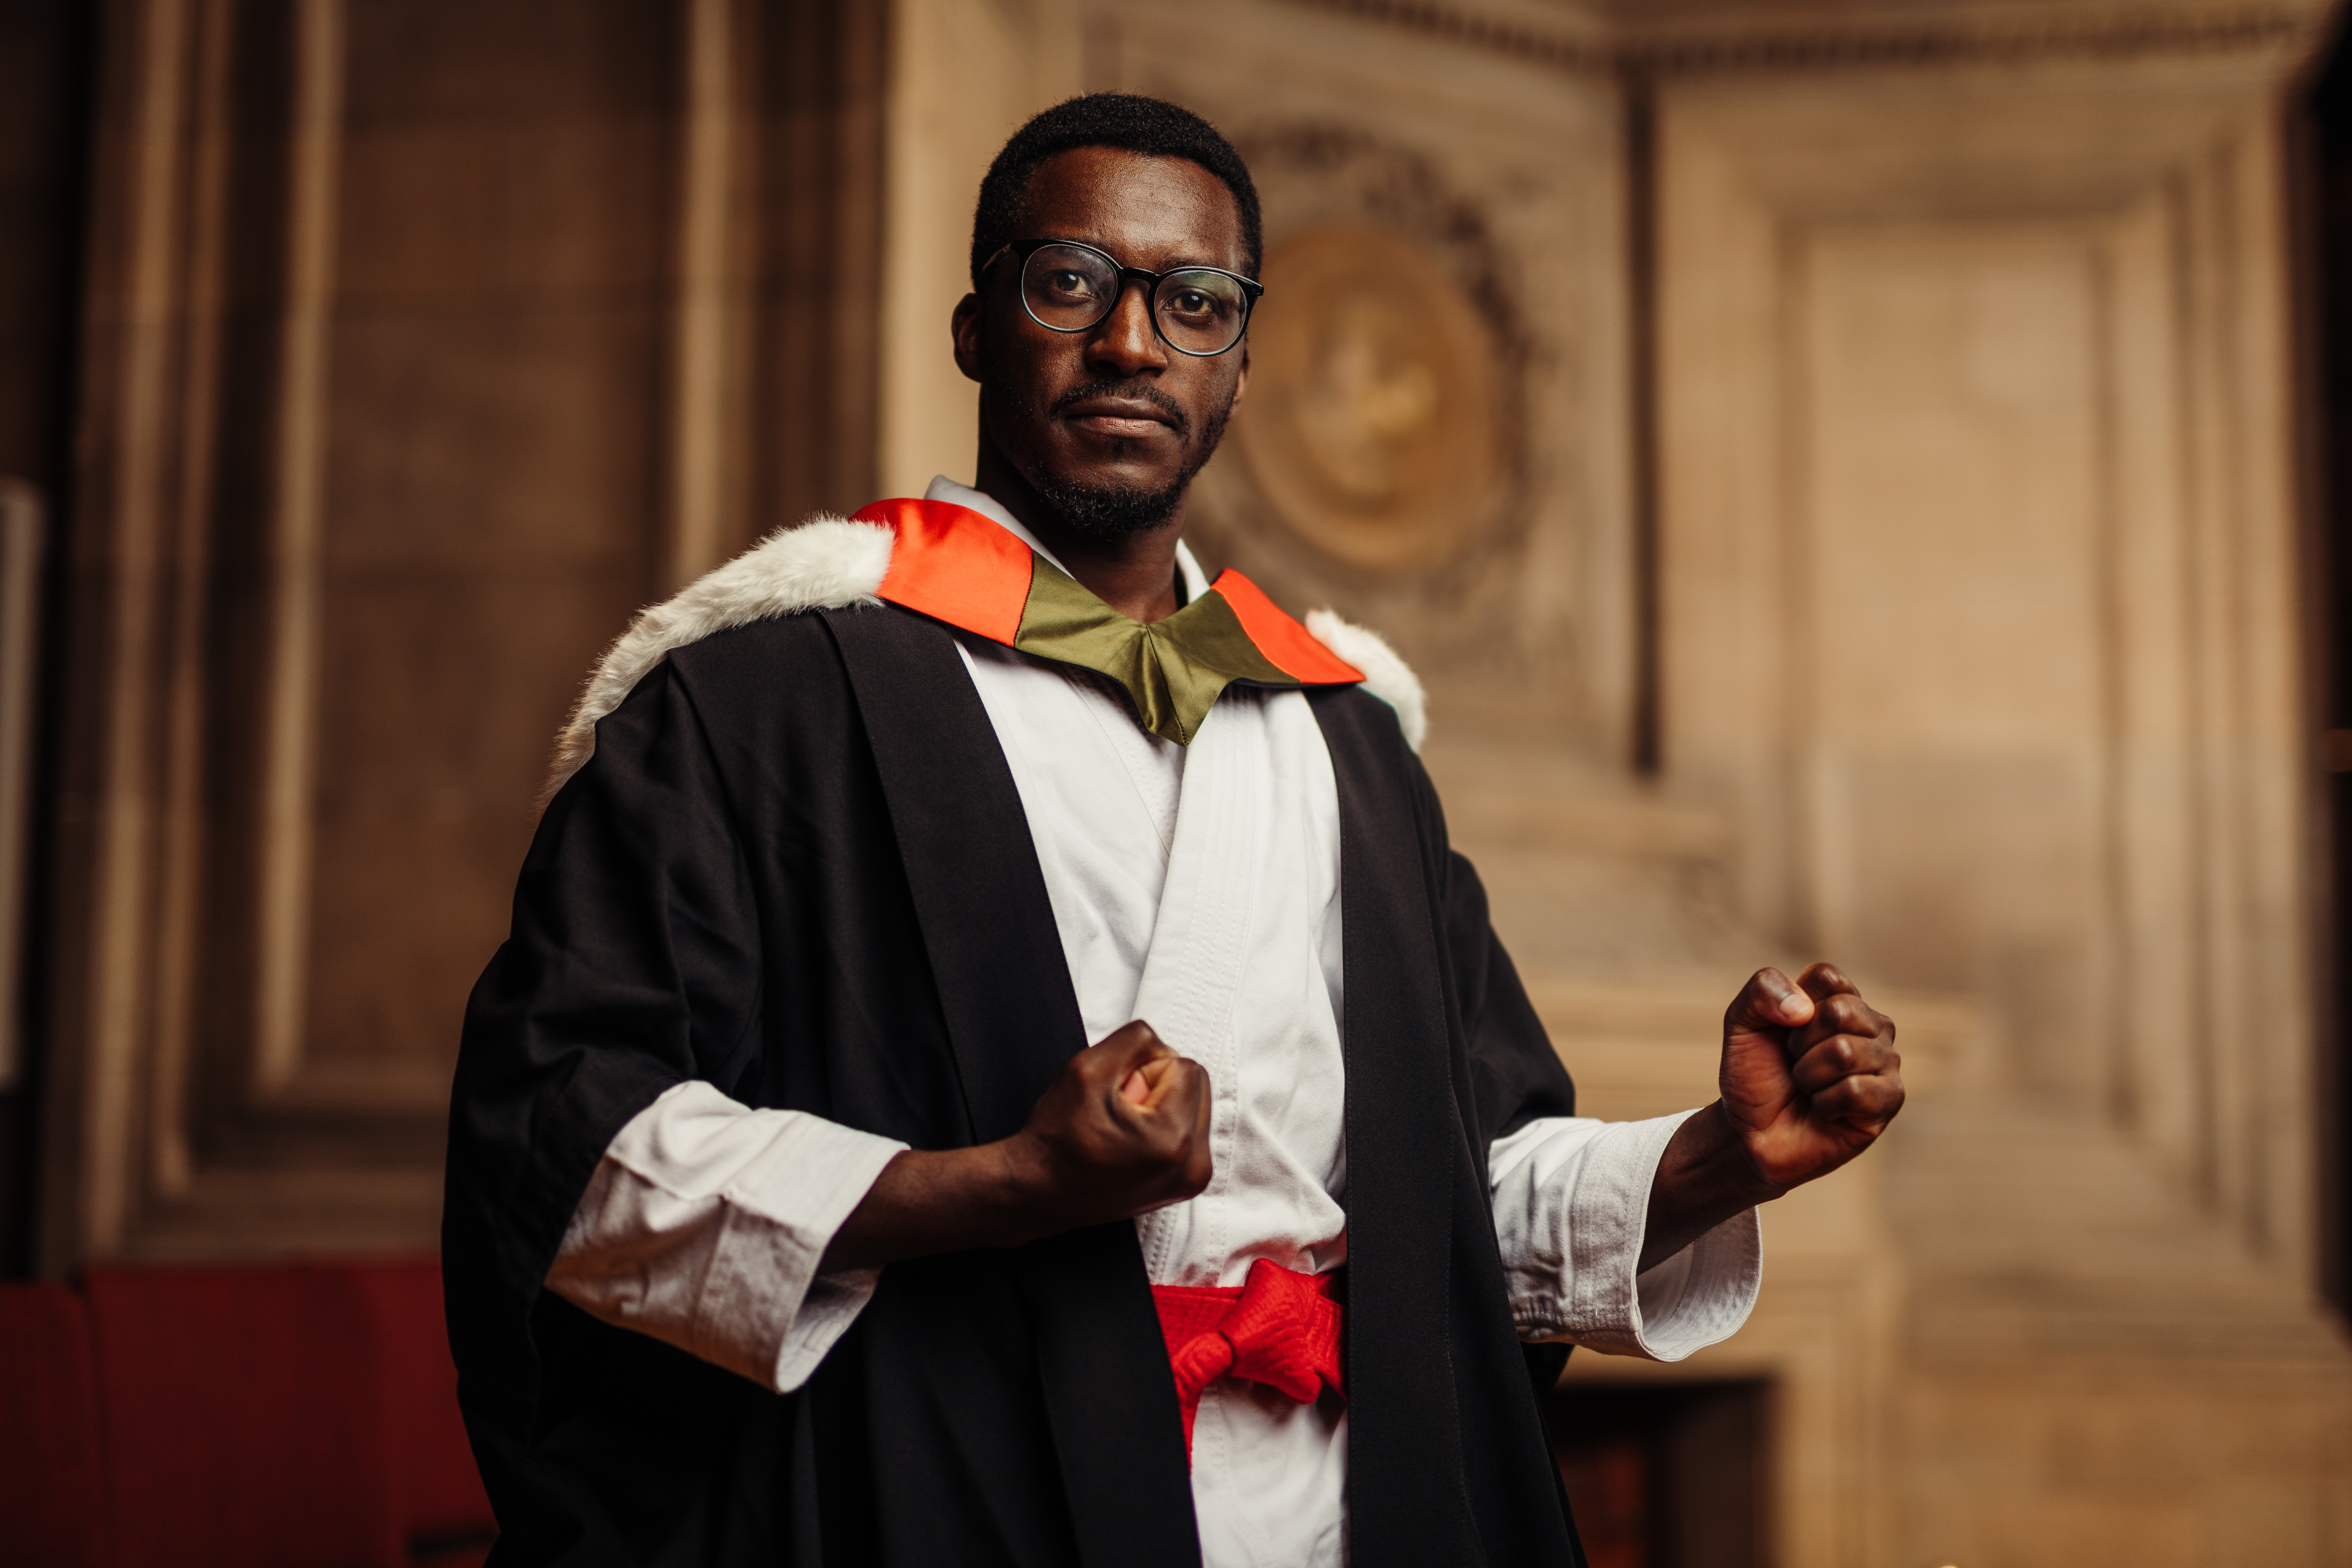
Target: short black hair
1126,120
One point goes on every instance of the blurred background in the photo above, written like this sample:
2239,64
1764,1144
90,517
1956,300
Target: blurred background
1862,478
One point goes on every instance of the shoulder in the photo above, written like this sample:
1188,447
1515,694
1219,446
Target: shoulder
1387,676
1374,728
827,562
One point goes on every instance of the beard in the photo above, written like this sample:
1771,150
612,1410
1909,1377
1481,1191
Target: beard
1117,510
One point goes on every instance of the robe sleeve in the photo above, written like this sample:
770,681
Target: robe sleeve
632,965
1514,1074
704,1226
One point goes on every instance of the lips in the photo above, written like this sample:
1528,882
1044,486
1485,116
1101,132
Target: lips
1123,416
1112,417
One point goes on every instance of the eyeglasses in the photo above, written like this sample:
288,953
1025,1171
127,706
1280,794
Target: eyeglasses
1066,287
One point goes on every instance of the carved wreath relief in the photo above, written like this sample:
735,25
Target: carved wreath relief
1379,431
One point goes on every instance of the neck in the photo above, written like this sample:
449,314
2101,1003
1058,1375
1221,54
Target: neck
1134,574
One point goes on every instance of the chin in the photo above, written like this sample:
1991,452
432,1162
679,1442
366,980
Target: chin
1122,471
1119,460
1112,501
1152,478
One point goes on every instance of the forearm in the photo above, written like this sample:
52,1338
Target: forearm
1706,1177
1123,1131
949,1200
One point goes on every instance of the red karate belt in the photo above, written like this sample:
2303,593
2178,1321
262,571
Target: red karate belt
1282,1328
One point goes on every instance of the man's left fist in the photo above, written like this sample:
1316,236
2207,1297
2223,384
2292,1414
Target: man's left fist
1811,1076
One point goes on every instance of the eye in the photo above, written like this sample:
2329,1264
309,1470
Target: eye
1192,304
1070,283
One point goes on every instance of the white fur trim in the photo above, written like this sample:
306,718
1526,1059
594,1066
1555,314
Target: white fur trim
827,563
824,563
1386,676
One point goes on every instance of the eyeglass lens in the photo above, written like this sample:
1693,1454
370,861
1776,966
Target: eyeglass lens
1070,288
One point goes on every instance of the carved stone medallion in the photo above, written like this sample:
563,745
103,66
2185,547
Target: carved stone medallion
1374,396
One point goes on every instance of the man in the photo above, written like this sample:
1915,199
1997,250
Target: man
790,1216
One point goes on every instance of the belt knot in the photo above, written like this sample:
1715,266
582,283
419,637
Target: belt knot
1281,1329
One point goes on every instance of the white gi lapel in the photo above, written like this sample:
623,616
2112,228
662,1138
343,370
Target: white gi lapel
1201,947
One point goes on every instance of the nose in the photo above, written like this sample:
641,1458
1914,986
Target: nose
1123,343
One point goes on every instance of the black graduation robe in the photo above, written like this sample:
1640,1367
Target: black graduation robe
796,867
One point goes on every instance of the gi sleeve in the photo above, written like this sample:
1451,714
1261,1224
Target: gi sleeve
1570,1195
1571,1198
704,1226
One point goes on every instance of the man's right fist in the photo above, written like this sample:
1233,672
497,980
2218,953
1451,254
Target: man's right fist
1124,1130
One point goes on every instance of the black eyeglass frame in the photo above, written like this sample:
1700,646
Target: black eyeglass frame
1252,291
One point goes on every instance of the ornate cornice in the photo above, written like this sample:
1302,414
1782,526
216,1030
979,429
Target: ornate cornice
2108,35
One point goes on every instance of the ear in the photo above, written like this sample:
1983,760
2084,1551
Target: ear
1241,381
964,327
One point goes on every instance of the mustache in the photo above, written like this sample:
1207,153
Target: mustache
1143,390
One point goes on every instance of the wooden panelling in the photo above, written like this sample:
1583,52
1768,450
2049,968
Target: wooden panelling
44,82
429,338
814,246
493,440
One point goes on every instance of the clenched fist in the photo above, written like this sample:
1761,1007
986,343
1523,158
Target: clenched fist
1124,1130
1810,1079
1811,1076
